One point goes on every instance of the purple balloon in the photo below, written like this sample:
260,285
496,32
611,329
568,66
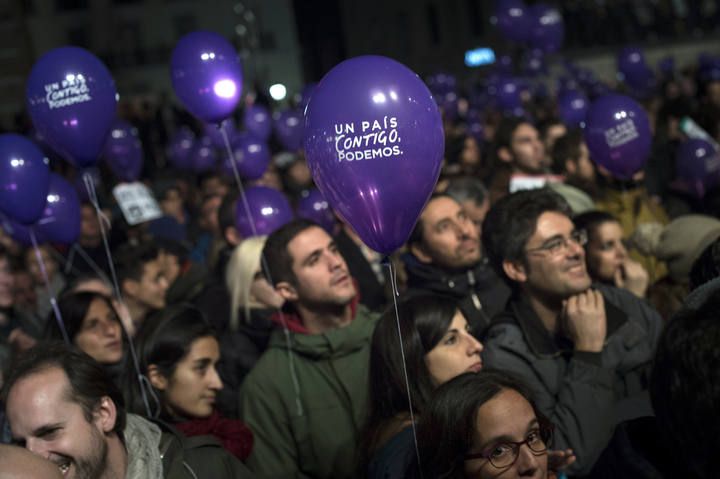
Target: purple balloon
374,143
534,63
123,152
289,129
305,95
215,134
60,221
513,19
573,106
204,156
617,133
179,148
72,99
441,83
504,65
508,94
313,206
251,156
697,164
24,178
269,210
547,28
206,75
257,120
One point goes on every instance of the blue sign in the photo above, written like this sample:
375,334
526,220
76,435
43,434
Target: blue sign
479,56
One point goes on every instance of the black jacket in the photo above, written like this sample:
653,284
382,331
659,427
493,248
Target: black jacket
480,292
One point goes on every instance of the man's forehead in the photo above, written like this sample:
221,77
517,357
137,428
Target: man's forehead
307,241
439,208
34,399
524,130
553,223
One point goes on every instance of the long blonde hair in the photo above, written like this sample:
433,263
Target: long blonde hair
239,275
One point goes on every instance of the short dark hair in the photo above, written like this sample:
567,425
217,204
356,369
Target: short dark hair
73,308
226,212
89,382
567,147
512,221
423,321
591,220
448,425
163,340
131,260
277,264
707,266
416,235
685,385
467,189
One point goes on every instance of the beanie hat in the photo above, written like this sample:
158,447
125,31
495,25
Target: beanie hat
683,240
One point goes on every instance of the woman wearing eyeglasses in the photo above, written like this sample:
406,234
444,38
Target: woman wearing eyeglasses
606,257
483,425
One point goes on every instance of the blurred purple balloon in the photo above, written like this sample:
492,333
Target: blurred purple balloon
374,143
617,133
289,129
666,66
204,155
180,147
504,65
573,107
508,94
269,210
257,120
547,28
632,67
123,152
206,75
24,178
697,164
212,131
534,63
72,99
251,156
513,19
313,206
60,221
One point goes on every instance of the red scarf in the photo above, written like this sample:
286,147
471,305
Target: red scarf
234,435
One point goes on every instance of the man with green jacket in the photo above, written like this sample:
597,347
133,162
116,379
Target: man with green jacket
306,398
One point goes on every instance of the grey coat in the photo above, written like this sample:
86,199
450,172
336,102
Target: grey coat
583,394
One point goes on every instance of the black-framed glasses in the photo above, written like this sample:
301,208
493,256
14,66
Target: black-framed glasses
560,244
504,454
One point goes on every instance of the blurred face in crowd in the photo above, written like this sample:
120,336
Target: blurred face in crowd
528,152
450,239
299,173
100,335
552,134
7,283
470,155
90,234
507,417
457,352
191,390
476,212
583,168
554,261
321,274
34,266
172,204
150,290
45,420
170,266
208,220
24,291
605,251
214,186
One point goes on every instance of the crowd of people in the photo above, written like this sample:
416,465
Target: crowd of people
532,332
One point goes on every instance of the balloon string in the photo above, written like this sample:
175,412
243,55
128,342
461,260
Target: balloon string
263,262
395,293
92,195
53,301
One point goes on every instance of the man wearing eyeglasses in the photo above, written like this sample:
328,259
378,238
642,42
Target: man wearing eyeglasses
585,349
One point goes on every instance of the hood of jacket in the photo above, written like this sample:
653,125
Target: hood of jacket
142,442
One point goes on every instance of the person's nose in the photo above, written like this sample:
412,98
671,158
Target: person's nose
111,328
214,380
474,346
528,462
622,251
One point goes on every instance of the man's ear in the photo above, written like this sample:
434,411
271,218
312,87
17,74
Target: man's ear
515,270
105,414
418,250
131,287
287,291
570,167
505,155
157,380
232,236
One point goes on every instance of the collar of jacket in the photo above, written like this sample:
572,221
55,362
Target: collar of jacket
457,282
539,339
331,344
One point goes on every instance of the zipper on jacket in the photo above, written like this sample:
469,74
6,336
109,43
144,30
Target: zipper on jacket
471,281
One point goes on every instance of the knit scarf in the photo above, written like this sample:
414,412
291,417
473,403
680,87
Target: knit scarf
234,435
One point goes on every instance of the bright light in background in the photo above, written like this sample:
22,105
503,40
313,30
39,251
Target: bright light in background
207,56
17,162
379,97
479,56
278,91
225,88
266,210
